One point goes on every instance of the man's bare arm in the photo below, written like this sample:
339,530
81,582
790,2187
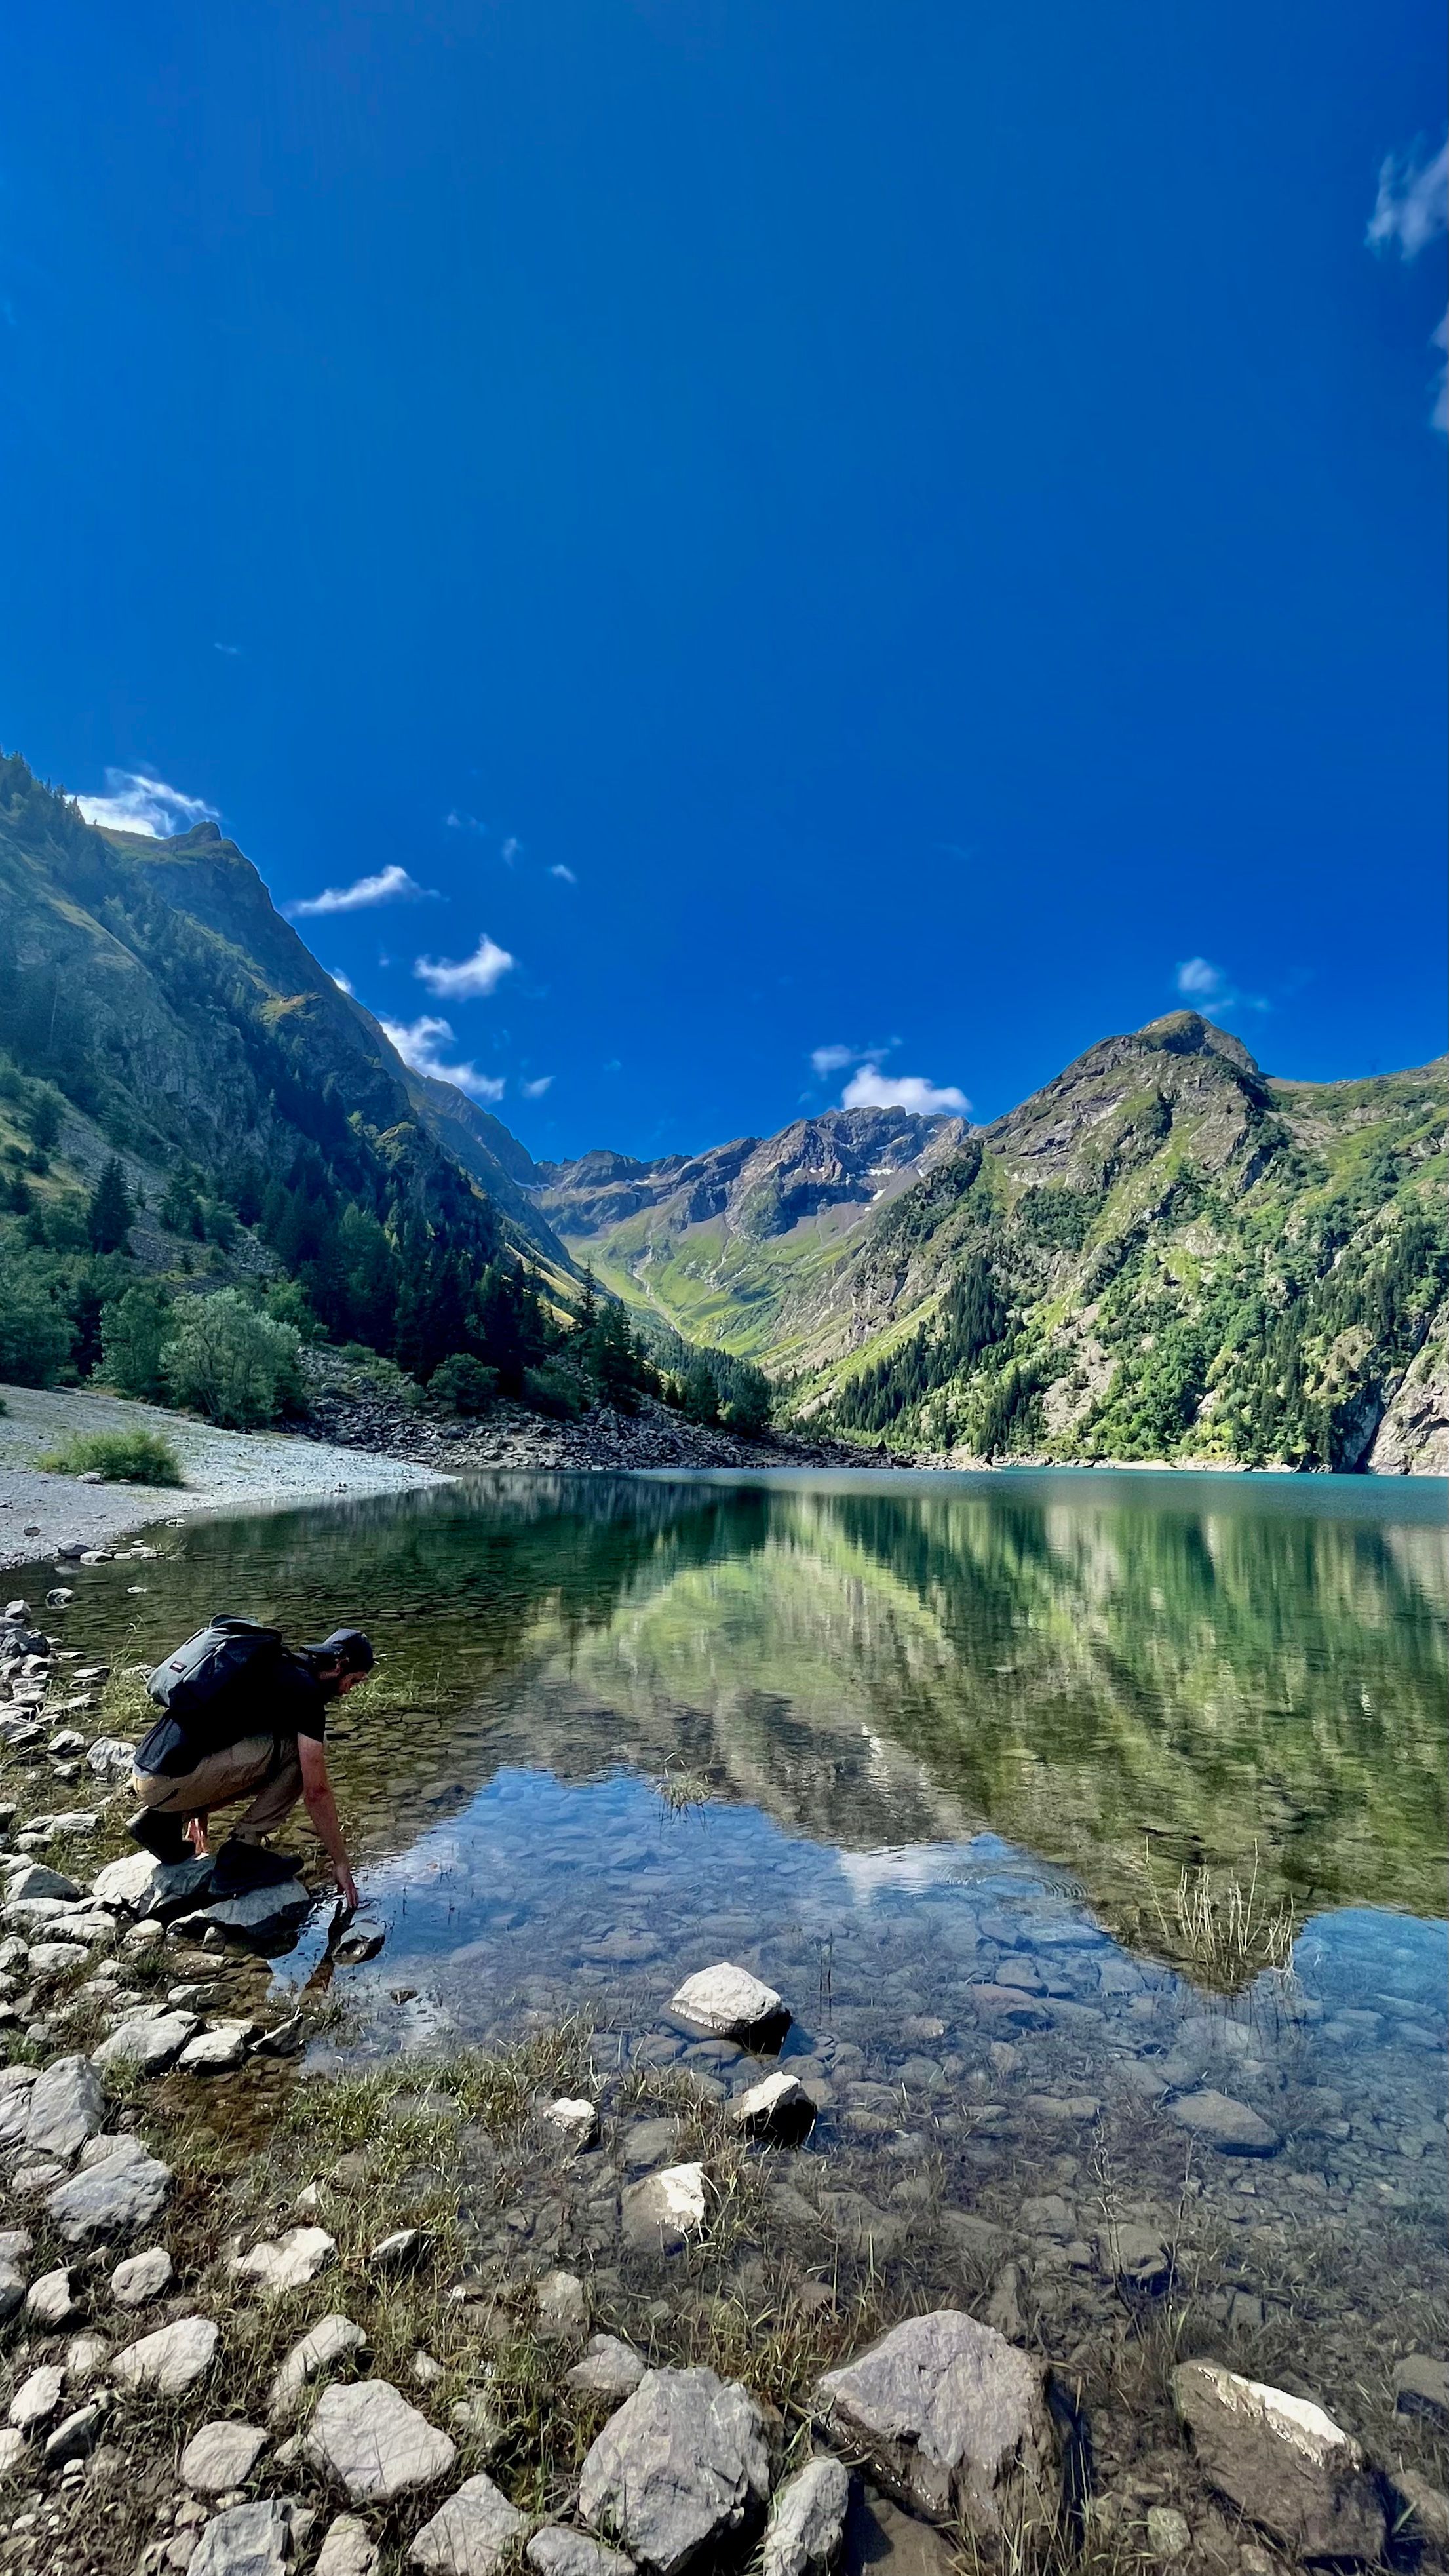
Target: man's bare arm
322,1808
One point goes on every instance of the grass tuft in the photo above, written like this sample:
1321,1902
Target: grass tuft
120,1457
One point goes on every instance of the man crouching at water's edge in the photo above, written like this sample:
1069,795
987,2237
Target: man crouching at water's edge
245,1717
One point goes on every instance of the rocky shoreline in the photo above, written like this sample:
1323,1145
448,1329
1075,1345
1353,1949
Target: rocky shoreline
536,2309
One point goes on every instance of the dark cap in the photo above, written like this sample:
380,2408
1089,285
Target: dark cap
347,1647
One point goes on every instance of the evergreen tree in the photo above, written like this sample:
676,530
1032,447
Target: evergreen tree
110,1214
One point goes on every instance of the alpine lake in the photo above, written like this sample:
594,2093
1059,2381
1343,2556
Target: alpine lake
1091,1825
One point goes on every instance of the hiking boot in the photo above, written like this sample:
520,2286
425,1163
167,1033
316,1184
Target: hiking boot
242,1866
164,1837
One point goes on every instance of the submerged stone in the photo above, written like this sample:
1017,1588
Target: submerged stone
1283,2461
954,2420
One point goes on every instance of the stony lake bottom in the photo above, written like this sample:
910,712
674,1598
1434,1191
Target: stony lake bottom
967,1768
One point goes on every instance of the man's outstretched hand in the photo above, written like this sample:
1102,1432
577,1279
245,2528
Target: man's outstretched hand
346,1885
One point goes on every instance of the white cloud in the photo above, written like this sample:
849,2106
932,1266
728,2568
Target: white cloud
342,982
536,1089
1412,209
832,1059
872,1089
1413,203
1204,987
390,885
465,823
418,1044
136,802
510,849
566,875
464,979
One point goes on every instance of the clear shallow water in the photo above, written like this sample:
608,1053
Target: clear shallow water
941,1724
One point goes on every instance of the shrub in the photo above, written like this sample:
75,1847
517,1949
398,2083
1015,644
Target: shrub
463,1384
549,1391
134,1331
122,1457
235,1366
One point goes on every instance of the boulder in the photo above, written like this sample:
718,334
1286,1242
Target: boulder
469,2534
1225,2124
247,2540
67,2106
76,2435
563,2308
37,2398
221,2456
287,2262
374,2443
217,2051
807,2522
729,2003
609,2369
171,2360
556,2551
86,2356
778,2108
954,2420
142,2278
146,2041
348,2550
1421,2387
664,2210
110,1758
116,2198
1283,2461
32,1879
1136,2255
331,2339
252,1916
140,1885
50,2302
575,2121
56,1958
680,2473
14,2453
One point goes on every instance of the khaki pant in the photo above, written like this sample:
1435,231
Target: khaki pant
258,1765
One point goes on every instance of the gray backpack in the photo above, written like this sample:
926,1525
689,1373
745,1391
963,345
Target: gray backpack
195,1684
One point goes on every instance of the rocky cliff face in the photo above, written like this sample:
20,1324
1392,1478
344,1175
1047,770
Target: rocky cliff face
157,983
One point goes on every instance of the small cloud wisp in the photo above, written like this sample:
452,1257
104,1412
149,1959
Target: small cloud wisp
136,802
418,1044
1412,209
390,885
465,979
1205,987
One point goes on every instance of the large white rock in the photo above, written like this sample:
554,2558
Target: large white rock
147,2041
348,2550
374,2443
331,2339
954,2420
665,2209
171,2360
287,2262
116,2198
37,2398
469,2534
67,2106
731,2004
55,1958
32,1878
807,2521
217,2051
221,2456
1283,2460
777,2107
681,2473
142,2278
608,2369
250,1916
140,1885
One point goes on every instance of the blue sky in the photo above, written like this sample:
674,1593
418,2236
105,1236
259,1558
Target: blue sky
792,552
